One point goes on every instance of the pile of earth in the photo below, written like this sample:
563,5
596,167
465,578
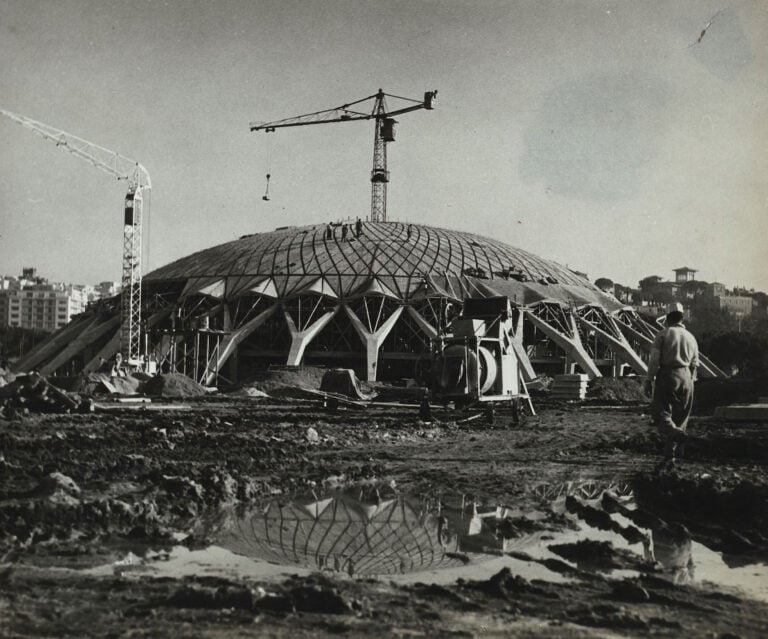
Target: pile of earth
36,394
617,389
101,383
173,385
289,381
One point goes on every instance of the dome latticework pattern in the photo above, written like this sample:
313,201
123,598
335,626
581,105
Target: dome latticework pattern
344,535
293,258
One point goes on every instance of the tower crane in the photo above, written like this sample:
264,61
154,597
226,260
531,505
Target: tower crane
136,207
384,132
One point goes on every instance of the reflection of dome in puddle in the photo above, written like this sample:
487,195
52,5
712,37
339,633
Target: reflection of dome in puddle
339,533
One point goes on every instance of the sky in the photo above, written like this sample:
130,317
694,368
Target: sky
600,134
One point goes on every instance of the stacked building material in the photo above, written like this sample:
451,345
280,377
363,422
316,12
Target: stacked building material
569,387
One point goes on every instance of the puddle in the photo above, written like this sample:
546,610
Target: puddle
406,540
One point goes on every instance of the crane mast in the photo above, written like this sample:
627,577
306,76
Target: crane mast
136,207
384,132
379,173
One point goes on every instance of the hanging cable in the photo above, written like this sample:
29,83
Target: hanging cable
147,225
265,197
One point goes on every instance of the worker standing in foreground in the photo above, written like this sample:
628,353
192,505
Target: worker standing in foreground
672,372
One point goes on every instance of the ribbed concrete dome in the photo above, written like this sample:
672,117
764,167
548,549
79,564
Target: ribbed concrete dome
372,302
293,260
342,534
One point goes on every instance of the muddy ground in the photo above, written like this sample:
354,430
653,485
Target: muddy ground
129,483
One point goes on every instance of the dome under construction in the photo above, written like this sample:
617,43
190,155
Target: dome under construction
368,296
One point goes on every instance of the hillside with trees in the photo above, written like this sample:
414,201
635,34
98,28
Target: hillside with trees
735,342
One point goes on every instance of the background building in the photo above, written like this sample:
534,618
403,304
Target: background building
736,304
685,274
31,302
106,289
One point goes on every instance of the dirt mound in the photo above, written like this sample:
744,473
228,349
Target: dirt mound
344,382
249,391
617,389
173,385
278,381
128,385
590,554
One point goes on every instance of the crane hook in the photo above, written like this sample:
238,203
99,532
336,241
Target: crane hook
265,197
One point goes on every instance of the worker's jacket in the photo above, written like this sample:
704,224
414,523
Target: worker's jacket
673,347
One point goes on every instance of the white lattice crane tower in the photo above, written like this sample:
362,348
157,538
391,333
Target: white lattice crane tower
384,132
136,208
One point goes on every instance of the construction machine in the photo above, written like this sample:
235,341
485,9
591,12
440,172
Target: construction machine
473,362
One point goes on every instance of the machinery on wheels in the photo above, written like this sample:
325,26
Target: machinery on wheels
474,362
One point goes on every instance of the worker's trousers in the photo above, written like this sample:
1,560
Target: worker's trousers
671,405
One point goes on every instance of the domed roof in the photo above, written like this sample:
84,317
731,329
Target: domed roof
385,259
339,533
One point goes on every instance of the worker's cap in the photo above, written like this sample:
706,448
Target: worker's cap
674,307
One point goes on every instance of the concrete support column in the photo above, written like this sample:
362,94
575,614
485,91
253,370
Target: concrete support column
424,325
616,341
518,335
373,341
526,368
301,339
570,344
112,347
226,317
79,344
59,341
230,343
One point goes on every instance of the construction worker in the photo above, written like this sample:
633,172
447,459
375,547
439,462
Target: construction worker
358,228
672,371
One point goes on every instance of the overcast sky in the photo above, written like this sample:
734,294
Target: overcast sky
599,134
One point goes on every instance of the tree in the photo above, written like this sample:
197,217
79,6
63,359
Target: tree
694,288
761,299
662,295
623,293
746,351
604,284
708,320
650,282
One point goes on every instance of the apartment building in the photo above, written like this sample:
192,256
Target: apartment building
42,306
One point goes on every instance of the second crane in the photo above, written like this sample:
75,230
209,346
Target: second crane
384,132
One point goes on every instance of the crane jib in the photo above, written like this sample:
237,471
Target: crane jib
139,182
384,133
